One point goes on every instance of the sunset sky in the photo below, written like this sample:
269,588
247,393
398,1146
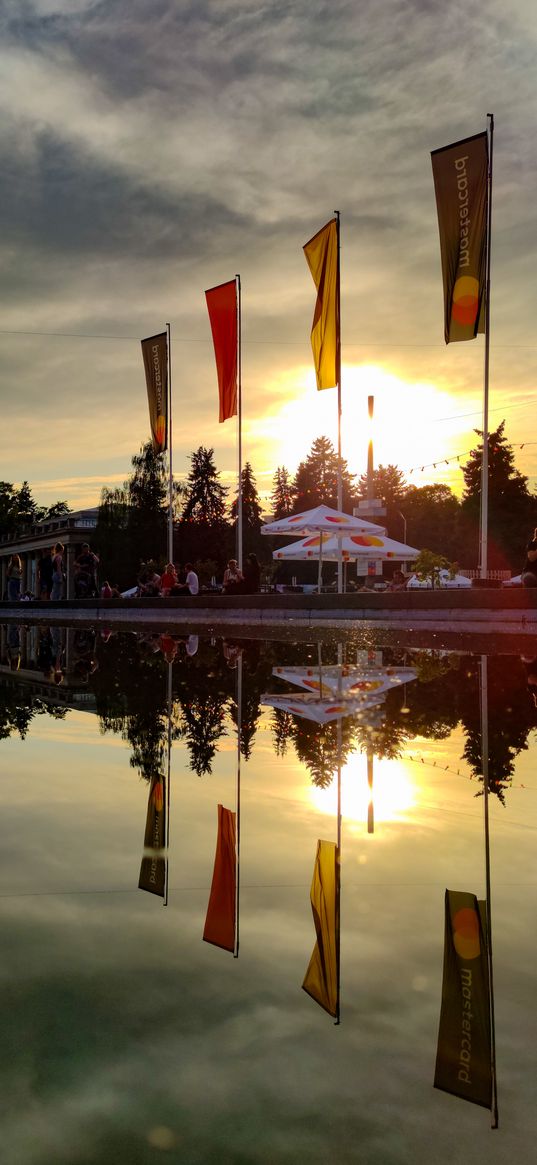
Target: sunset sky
152,150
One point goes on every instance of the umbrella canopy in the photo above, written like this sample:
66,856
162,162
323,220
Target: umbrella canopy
321,519
321,711
364,545
346,681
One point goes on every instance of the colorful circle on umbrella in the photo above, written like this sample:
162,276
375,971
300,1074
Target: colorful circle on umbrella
466,933
366,540
465,300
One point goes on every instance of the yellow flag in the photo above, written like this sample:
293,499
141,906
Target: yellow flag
322,258
322,976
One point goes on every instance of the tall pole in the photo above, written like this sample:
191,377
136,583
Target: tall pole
168,782
238,817
170,504
483,555
338,375
239,413
485,770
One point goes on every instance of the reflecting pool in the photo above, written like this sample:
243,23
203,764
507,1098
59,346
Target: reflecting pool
127,1037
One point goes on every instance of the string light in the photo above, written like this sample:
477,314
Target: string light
457,456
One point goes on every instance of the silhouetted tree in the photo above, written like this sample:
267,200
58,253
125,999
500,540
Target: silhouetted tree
315,481
281,498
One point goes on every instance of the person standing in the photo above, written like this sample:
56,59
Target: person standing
529,573
57,572
252,576
45,569
14,578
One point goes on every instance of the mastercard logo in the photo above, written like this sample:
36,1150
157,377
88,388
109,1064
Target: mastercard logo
158,796
466,933
366,540
465,300
160,429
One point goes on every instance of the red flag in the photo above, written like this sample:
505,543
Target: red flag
220,920
222,307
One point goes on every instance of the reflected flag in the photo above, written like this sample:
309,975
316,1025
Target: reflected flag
155,354
322,976
463,1061
220,923
154,861
323,259
222,306
460,173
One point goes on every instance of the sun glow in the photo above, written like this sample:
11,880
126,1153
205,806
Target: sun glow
392,796
406,428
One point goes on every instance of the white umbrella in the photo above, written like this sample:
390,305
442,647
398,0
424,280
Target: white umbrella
321,518
364,545
346,680
321,711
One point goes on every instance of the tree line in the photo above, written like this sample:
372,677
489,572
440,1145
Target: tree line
132,518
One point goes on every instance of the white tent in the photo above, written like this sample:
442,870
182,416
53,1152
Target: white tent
351,547
321,518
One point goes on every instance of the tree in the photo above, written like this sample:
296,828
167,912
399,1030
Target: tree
58,510
432,514
316,478
388,484
205,494
428,566
510,503
205,533
282,494
132,518
251,507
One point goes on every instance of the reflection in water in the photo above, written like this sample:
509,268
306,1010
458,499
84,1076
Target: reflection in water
343,717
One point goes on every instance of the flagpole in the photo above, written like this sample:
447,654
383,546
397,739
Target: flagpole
485,768
238,819
239,412
338,375
170,507
167,837
483,556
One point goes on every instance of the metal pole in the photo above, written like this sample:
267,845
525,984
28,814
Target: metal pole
483,556
370,467
338,375
170,505
485,768
238,818
239,411
167,837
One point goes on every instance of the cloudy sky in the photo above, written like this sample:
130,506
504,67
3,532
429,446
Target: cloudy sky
151,150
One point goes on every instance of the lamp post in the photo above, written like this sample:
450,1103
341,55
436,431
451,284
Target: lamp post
403,519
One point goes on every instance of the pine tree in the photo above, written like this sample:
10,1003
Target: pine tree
388,484
316,478
205,495
282,494
510,504
251,507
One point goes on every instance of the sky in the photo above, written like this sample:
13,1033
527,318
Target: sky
152,150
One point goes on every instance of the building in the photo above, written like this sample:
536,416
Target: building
71,529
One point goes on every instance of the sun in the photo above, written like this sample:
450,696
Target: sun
410,427
392,796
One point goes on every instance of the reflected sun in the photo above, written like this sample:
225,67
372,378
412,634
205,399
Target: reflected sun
393,792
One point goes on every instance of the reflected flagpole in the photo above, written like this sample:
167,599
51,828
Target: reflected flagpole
239,422
485,769
168,783
238,806
338,855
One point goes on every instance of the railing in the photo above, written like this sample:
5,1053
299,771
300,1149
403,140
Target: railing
494,574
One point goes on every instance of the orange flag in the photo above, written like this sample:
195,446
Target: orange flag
220,920
222,308
322,258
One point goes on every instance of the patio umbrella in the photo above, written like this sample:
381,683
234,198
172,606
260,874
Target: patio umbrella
322,520
346,681
351,546
321,711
